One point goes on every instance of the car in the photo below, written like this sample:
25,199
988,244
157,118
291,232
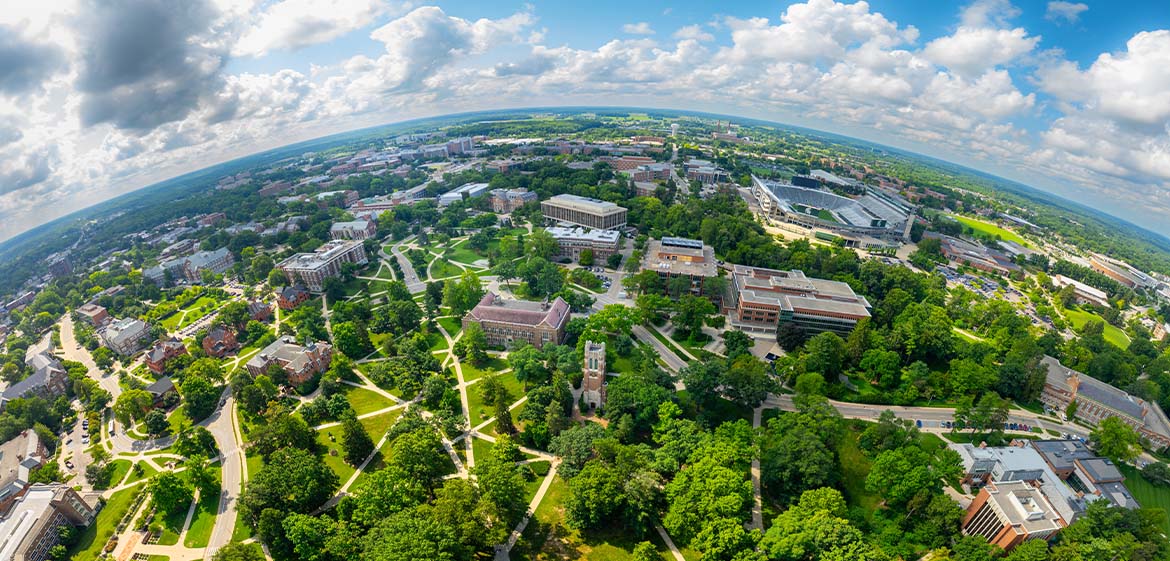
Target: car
68,464
85,440
919,423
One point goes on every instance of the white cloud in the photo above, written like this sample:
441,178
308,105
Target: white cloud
693,32
988,13
294,24
1069,12
640,28
971,50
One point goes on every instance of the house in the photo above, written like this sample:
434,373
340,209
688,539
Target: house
259,311
292,296
505,322
162,352
96,315
220,341
300,363
160,391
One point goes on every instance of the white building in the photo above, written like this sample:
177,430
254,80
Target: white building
311,269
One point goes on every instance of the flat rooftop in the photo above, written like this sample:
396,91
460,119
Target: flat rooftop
596,236
656,250
1025,507
329,251
584,204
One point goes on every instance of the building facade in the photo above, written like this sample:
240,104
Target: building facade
48,380
572,241
94,314
300,363
675,257
220,341
353,230
759,300
583,211
1009,513
506,201
311,269
163,352
1096,401
31,528
290,297
506,322
126,336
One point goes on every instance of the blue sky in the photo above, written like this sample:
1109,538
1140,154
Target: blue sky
1067,96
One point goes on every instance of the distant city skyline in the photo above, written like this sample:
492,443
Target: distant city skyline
1068,97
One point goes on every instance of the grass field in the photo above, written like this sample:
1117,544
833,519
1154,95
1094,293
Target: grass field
855,468
365,401
463,254
1147,494
335,454
377,425
991,230
478,411
442,269
481,448
493,364
1113,335
195,310
199,533
94,537
178,418
121,468
452,325
141,470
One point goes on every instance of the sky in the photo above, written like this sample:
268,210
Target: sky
101,97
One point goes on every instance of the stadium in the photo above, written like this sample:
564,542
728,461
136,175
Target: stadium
876,219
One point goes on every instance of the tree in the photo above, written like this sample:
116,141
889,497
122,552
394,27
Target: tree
691,313
824,353
421,455
352,339
200,395
815,529
292,480
542,277
594,497
132,405
746,381
504,424
1158,473
1116,440
473,345
901,474
462,294
171,492
528,365
235,313
409,536
575,447
736,342
236,551
889,433
614,260
156,423
790,336
355,441
541,244
501,486
585,259
333,288
103,357
645,551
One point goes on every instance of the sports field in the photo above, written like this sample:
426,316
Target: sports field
991,230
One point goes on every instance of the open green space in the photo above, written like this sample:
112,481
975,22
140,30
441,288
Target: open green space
452,325
94,538
493,364
547,536
855,467
199,532
991,230
195,310
365,401
441,269
384,272
463,254
481,448
1113,335
121,468
377,425
178,418
140,471
1148,494
478,412
334,453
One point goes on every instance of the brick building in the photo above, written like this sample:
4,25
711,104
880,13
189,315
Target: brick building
505,322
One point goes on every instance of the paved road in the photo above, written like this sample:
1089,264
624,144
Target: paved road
409,276
220,424
672,360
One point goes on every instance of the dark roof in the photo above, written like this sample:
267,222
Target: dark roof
293,292
217,333
45,367
158,352
1061,454
1101,470
161,386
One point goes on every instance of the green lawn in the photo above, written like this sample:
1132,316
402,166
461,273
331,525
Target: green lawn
178,418
199,533
855,468
94,538
195,310
438,343
365,401
121,468
478,411
463,254
255,462
141,470
547,537
481,448
673,346
493,364
441,269
1078,318
991,230
1147,494
384,272
377,425
452,325
335,454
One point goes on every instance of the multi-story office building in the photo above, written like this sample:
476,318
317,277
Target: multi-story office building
505,201
675,257
583,211
572,241
126,336
300,363
163,352
311,269
759,300
96,315
505,322
1008,513
30,529
1097,401
353,230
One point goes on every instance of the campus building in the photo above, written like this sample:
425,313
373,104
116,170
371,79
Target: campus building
505,322
464,192
1084,471
759,300
876,219
505,201
30,529
1008,513
126,336
191,268
583,211
974,255
18,458
163,352
94,314
290,297
311,269
353,230
572,241
1121,272
1082,293
220,341
48,380
681,257
300,363
1097,401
